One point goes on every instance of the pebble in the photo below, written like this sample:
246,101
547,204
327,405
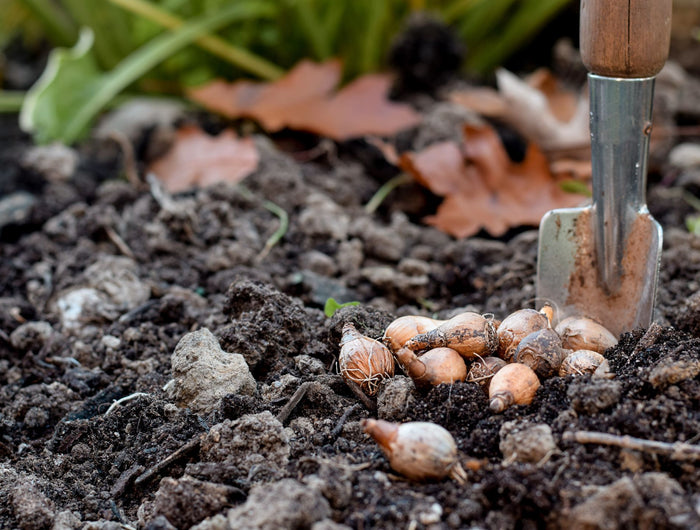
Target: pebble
395,398
283,504
526,442
204,373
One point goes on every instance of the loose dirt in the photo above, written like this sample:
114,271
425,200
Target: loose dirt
101,428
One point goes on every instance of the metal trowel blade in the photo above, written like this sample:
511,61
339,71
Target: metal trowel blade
567,270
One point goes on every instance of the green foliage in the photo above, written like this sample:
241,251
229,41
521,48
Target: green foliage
358,31
575,186
332,306
264,45
692,223
73,90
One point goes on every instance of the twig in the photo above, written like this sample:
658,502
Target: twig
343,419
284,413
160,466
161,196
675,451
124,400
648,339
367,402
132,174
119,242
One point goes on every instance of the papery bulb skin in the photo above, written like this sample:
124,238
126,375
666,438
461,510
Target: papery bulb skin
434,367
418,450
515,327
469,334
482,371
363,360
401,330
514,384
581,333
541,351
580,362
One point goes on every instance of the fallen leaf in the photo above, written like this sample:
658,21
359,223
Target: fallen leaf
482,187
538,107
305,100
482,100
198,159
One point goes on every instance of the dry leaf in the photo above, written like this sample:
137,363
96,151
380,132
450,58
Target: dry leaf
482,187
304,100
534,116
197,159
482,100
538,107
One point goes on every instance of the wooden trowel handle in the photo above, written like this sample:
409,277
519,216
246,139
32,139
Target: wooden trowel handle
625,38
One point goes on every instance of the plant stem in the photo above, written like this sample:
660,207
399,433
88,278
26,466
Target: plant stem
59,28
217,46
279,233
11,101
385,190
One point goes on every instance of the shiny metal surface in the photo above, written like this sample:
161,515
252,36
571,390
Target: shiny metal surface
620,131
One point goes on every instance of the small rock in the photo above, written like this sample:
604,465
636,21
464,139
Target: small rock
66,520
16,208
284,387
309,365
111,288
36,417
669,372
685,156
396,282
252,447
469,509
31,336
334,483
322,217
283,504
688,318
395,398
526,442
380,242
650,500
159,523
33,510
204,373
54,161
186,501
432,515
318,262
349,256
589,396
218,522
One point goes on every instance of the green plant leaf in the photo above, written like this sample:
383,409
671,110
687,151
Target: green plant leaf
332,306
692,223
72,90
575,186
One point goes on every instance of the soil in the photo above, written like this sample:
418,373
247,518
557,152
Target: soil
161,368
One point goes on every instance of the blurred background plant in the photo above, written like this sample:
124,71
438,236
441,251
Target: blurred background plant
264,38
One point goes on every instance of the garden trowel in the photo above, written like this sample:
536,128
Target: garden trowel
602,261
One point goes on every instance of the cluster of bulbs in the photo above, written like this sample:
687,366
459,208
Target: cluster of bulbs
507,359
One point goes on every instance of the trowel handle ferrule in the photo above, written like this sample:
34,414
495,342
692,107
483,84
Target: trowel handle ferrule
625,38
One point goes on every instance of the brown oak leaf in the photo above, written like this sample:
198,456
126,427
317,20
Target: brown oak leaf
198,159
305,100
482,187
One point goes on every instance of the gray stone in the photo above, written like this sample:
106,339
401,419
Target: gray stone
204,373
